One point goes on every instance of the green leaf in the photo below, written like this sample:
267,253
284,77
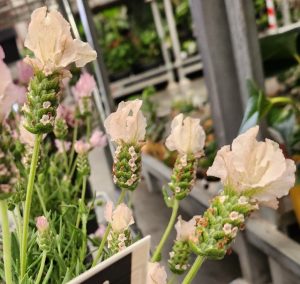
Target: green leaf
279,51
257,107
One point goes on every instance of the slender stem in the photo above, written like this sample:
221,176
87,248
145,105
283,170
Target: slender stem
83,191
41,200
88,127
194,270
103,241
102,244
29,192
75,132
47,277
157,253
42,266
6,242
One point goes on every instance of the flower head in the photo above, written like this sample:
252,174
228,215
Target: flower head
127,124
156,274
187,136
98,139
42,224
257,168
185,230
120,218
50,39
84,87
81,147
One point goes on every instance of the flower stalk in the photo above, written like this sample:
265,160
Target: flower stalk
6,242
42,266
157,253
194,270
29,191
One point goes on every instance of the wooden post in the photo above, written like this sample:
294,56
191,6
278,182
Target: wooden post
246,50
213,36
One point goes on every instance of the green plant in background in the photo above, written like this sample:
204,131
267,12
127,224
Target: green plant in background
147,46
115,39
156,126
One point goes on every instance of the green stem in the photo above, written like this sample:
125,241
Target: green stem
157,253
194,270
29,192
88,127
42,266
47,277
75,132
41,200
6,242
103,241
83,191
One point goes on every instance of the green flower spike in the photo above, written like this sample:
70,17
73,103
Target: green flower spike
218,227
60,129
127,166
83,165
118,241
179,257
183,176
42,102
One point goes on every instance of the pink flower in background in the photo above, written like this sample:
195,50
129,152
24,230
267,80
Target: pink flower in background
257,169
156,274
98,139
42,224
81,147
62,145
67,113
100,231
9,92
50,39
25,72
26,137
84,87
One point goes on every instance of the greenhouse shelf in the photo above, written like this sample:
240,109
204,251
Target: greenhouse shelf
261,245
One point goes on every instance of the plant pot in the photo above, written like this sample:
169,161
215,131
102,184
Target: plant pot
295,197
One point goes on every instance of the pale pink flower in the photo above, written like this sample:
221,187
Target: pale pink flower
187,136
257,168
49,38
9,92
100,231
81,147
120,218
26,137
98,139
62,145
67,113
25,72
156,274
42,224
185,230
127,124
84,87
